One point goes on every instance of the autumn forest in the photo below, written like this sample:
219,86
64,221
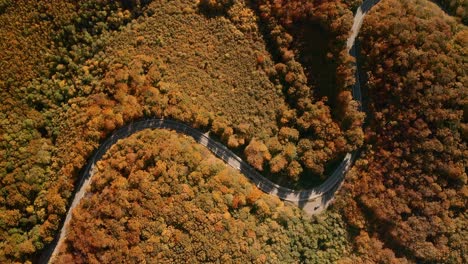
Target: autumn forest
271,80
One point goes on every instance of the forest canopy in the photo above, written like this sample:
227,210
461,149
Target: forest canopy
407,194
270,79
159,197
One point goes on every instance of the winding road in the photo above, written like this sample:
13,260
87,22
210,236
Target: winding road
312,200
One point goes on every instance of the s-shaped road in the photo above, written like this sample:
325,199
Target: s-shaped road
312,201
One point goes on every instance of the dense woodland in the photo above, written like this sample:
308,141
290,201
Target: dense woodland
407,195
158,197
313,68
72,72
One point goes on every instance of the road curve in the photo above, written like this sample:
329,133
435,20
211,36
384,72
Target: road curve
311,200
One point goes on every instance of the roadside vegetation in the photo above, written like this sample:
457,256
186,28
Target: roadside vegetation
158,196
406,197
